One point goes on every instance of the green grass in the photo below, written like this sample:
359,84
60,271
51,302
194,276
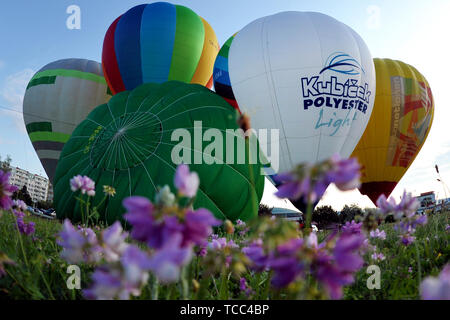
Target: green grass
39,272
426,256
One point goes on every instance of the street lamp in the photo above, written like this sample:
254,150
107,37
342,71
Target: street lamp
444,185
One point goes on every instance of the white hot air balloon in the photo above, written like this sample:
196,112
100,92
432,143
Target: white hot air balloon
307,75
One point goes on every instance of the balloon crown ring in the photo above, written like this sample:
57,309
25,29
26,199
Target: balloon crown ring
127,141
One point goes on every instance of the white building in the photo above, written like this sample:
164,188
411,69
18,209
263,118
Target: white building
37,186
427,201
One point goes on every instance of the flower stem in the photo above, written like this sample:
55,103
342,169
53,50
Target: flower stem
308,217
419,267
155,289
223,292
46,284
21,244
184,284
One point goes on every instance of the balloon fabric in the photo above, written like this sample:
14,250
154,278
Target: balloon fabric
58,97
131,142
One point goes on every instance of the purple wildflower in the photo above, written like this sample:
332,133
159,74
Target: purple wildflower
186,182
194,228
336,270
120,280
106,285
83,183
406,207
24,227
377,234
113,242
346,252
203,249
18,214
135,264
437,288
407,239
78,245
345,173
352,227
291,187
255,252
167,262
378,256
222,243
243,286
20,205
197,226
140,216
242,228
6,190
312,181
285,263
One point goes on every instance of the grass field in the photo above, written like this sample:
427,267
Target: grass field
38,272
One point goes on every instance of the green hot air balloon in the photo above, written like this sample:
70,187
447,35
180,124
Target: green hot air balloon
57,99
130,143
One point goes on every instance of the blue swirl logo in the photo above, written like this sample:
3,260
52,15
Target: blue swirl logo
343,63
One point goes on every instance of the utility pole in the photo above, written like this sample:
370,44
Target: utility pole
444,186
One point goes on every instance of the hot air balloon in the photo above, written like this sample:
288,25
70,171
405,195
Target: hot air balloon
130,144
57,99
221,77
400,123
305,74
158,42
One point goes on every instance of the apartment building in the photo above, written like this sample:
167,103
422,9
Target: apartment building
38,186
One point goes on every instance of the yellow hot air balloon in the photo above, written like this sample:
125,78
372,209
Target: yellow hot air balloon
400,122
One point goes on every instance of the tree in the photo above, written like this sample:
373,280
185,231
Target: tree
264,210
325,216
23,195
5,165
349,213
45,204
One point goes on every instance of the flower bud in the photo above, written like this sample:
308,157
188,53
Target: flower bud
229,228
165,197
195,285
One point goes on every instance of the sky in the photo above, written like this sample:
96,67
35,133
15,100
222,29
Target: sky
34,33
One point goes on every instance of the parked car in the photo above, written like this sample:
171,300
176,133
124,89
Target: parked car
40,213
50,212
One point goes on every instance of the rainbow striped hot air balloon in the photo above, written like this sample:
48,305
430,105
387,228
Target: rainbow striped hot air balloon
221,77
57,99
158,42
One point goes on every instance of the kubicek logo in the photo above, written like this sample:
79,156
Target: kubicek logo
331,91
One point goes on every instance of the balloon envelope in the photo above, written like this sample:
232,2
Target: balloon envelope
400,123
129,144
158,42
57,99
305,74
221,76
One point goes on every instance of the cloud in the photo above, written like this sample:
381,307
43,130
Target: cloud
12,91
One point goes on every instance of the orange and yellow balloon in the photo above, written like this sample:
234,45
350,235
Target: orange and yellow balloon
400,122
